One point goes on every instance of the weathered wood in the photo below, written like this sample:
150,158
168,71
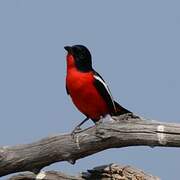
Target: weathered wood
125,131
48,175
106,172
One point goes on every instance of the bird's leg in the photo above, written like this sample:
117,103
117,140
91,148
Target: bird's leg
77,128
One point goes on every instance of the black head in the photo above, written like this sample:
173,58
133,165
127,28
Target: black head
82,57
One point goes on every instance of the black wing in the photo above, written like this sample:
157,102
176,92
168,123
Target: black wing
104,91
115,108
120,110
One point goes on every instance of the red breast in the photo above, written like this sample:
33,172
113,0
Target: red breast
83,92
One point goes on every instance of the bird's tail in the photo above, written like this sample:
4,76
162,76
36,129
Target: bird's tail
119,110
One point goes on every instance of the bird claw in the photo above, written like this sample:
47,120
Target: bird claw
75,131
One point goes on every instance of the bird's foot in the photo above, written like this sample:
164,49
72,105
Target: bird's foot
75,131
99,122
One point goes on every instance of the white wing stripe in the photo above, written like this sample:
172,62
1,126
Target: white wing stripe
105,85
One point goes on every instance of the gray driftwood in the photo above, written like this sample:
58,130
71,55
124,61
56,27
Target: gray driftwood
125,131
106,172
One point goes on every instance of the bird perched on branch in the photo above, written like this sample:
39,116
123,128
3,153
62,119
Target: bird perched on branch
88,90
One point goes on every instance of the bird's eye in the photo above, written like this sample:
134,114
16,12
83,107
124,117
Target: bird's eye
81,55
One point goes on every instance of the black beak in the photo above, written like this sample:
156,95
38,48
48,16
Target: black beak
68,48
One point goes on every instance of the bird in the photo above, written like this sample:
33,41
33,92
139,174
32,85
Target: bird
87,89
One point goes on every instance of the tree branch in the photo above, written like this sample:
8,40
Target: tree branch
106,172
127,130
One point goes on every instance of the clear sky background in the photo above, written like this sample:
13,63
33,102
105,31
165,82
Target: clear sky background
136,48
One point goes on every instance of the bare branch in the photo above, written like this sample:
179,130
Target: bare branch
106,172
125,131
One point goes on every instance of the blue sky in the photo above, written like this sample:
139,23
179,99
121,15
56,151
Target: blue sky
135,47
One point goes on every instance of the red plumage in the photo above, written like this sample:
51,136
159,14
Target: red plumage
84,94
88,90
